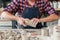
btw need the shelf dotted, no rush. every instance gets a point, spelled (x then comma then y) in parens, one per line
(57, 9)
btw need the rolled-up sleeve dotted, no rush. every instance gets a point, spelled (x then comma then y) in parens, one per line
(48, 8)
(12, 7)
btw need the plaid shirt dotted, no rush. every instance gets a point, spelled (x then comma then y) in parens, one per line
(19, 5)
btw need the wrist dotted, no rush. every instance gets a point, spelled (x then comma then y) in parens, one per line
(17, 18)
(41, 20)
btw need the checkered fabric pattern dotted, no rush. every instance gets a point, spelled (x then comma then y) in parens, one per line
(19, 6)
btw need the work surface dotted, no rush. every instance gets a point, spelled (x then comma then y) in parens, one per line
(31, 34)
(21, 34)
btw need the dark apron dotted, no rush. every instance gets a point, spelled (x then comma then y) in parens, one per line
(30, 13)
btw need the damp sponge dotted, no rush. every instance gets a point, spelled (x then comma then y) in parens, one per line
(29, 23)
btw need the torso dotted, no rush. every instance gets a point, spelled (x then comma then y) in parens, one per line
(27, 4)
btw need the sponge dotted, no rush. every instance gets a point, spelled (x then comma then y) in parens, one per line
(29, 23)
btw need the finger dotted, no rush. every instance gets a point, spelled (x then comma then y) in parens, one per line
(35, 22)
(32, 20)
(24, 24)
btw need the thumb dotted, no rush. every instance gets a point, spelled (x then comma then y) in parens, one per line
(24, 24)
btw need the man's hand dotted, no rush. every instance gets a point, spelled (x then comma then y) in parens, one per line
(21, 21)
(35, 20)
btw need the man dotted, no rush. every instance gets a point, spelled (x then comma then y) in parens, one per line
(31, 9)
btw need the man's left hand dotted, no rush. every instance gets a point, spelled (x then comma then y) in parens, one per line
(35, 20)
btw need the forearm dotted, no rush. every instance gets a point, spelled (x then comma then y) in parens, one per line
(9, 16)
(52, 17)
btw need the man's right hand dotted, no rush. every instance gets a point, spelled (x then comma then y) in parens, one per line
(21, 21)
